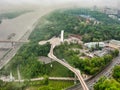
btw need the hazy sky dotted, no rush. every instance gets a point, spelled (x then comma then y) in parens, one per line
(83, 2)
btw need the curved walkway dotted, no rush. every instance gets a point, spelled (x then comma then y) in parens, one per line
(74, 70)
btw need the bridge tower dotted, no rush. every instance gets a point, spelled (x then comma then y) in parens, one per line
(75, 80)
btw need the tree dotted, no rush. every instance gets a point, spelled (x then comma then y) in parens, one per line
(1, 83)
(116, 73)
(116, 52)
(46, 80)
(107, 84)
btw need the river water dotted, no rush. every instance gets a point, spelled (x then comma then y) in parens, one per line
(19, 26)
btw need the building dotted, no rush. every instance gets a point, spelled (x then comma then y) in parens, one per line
(101, 53)
(118, 12)
(93, 44)
(95, 8)
(114, 44)
(113, 16)
(110, 11)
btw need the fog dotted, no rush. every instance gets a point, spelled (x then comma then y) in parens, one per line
(109, 3)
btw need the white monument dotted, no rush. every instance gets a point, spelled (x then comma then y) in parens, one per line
(62, 35)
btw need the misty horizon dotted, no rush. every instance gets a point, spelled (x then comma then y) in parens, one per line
(101, 3)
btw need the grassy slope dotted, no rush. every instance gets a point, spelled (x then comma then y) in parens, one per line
(36, 85)
(59, 70)
(53, 85)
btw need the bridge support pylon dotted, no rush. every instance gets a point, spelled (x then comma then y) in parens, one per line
(75, 80)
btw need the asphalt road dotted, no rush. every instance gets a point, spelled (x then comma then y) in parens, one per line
(105, 72)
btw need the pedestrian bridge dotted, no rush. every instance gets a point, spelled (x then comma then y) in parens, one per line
(7, 44)
(13, 41)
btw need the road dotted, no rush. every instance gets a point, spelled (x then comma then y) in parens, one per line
(105, 72)
(74, 70)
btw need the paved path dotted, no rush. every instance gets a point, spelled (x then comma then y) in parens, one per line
(41, 78)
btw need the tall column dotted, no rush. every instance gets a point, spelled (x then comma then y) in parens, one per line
(62, 35)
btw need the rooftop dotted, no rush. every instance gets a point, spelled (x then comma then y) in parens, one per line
(116, 42)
